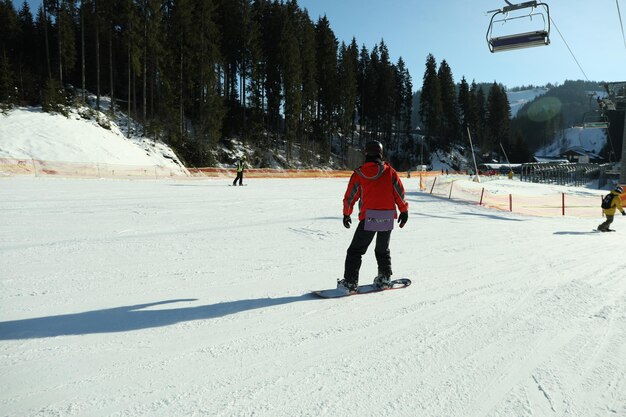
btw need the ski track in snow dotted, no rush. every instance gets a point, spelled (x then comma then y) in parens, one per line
(163, 298)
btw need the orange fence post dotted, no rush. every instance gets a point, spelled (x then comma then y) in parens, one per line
(433, 186)
(482, 192)
(451, 185)
(563, 203)
(510, 202)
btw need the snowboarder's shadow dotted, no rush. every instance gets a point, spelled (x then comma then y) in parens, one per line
(129, 318)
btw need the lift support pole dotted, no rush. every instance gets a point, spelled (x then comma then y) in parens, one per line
(622, 175)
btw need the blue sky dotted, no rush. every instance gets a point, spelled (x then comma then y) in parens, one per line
(455, 30)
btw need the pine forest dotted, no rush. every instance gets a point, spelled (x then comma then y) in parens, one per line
(195, 72)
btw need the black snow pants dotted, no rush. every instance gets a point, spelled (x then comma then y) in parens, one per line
(605, 226)
(360, 242)
(238, 178)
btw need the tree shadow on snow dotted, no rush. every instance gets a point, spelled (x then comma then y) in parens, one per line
(129, 318)
(492, 216)
(591, 232)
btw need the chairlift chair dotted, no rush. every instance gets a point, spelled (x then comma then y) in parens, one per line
(595, 120)
(538, 37)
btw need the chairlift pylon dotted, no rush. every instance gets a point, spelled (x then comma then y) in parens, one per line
(539, 37)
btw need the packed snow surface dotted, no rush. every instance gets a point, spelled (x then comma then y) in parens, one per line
(163, 298)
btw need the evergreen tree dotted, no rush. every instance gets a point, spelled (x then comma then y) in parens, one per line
(155, 57)
(405, 88)
(326, 79)
(450, 117)
(181, 51)
(7, 97)
(348, 61)
(372, 101)
(431, 107)
(292, 76)
(362, 86)
(9, 27)
(131, 39)
(207, 108)
(479, 113)
(42, 26)
(26, 63)
(387, 94)
(518, 151)
(9, 37)
(66, 14)
(306, 30)
(251, 69)
(272, 21)
(498, 119)
(465, 106)
(230, 22)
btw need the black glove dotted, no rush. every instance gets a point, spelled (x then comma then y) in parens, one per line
(623, 213)
(402, 218)
(346, 221)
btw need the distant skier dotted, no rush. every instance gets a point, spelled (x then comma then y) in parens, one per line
(610, 204)
(380, 190)
(241, 166)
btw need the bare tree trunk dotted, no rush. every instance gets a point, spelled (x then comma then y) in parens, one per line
(97, 55)
(111, 69)
(45, 36)
(243, 95)
(82, 46)
(128, 107)
(59, 21)
(134, 78)
(182, 109)
(622, 175)
(145, 67)
(152, 89)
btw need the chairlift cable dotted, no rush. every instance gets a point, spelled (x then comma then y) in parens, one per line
(570, 49)
(620, 22)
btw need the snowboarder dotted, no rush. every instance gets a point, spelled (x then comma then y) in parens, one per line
(610, 204)
(380, 190)
(241, 166)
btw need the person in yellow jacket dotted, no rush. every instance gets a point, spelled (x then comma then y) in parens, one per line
(610, 204)
(241, 166)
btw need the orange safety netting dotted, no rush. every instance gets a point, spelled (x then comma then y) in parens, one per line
(36, 167)
(558, 204)
(269, 173)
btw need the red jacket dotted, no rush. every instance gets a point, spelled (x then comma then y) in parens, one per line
(378, 186)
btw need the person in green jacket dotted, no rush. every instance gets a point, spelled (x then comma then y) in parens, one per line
(610, 204)
(241, 166)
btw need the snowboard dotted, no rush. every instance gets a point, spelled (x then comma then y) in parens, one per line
(396, 284)
(600, 231)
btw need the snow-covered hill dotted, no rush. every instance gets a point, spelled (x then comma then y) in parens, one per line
(517, 99)
(29, 133)
(592, 140)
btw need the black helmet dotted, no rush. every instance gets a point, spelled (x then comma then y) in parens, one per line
(619, 189)
(374, 148)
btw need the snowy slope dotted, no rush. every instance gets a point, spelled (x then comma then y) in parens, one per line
(166, 298)
(592, 140)
(517, 99)
(29, 133)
